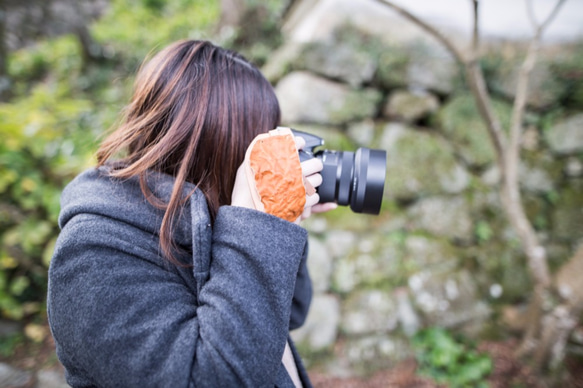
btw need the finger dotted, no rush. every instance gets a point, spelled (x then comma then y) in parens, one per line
(324, 207)
(311, 166)
(311, 200)
(310, 189)
(300, 142)
(315, 179)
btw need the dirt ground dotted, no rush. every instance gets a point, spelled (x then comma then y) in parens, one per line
(508, 372)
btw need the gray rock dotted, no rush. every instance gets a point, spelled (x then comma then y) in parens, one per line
(410, 106)
(368, 312)
(374, 352)
(306, 98)
(14, 378)
(321, 326)
(422, 252)
(566, 137)
(362, 132)
(448, 299)
(408, 318)
(432, 68)
(535, 179)
(347, 274)
(313, 21)
(443, 216)
(464, 127)
(381, 261)
(340, 242)
(319, 265)
(280, 62)
(393, 67)
(316, 224)
(567, 216)
(544, 89)
(345, 277)
(420, 163)
(509, 274)
(574, 167)
(491, 176)
(342, 60)
(455, 180)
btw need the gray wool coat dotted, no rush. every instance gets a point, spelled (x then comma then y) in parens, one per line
(122, 316)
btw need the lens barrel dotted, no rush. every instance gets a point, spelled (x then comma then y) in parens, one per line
(368, 180)
(355, 179)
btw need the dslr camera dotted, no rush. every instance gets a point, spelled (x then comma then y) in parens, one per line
(348, 178)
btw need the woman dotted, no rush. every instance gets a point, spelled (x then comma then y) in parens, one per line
(165, 274)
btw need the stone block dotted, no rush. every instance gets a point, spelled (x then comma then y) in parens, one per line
(307, 98)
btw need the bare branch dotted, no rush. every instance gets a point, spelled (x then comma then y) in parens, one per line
(539, 28)
(474, 76)
(522, 88)
(528, 236)
(531, 15)
(520, 105)
(551, 16)
(459, 56)
(477, 83)
(476, 35)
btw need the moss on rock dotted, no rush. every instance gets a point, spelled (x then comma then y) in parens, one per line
(420, 164)
(461, 122)
(567, 217)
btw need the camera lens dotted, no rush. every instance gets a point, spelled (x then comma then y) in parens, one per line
(355, 179)
(368, 180)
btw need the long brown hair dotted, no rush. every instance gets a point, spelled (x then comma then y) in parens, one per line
(195, 109)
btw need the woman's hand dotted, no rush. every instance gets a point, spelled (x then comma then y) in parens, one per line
(311, 171)
(311, 168)
(241, 195)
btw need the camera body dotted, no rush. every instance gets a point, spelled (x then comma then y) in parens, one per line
(348, 178)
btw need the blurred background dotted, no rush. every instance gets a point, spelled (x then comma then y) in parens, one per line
(434, 290)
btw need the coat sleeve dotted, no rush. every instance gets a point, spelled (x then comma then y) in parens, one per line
(302, 295)
(121, 320)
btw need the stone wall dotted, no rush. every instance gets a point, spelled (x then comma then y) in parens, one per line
(441, 252)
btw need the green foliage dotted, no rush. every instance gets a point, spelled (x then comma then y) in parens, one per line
(462, 123)
(259, 31)
(60, 57)
(9, 343)
(133, 28)
(46, 138)
(483, 231)
(569, 72)
(450, 361)
(59, 110)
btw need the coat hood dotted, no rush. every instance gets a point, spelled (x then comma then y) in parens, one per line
(96, 192)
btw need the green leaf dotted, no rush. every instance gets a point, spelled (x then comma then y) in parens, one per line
(18, 285)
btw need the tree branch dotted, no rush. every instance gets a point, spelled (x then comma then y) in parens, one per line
(474, 76)
(550, 17)
(482, 98)
(477, 83)
(531, 16)
(528, 235)
(475, 35)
